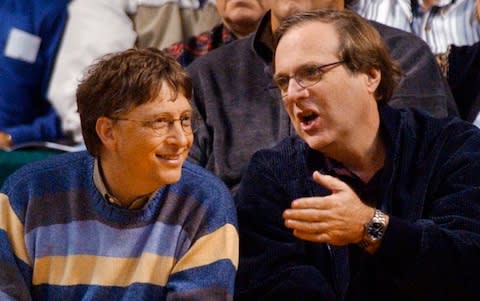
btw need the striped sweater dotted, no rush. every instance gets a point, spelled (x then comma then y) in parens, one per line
(61, 240)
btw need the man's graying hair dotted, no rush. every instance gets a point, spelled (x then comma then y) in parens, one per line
(361, 47)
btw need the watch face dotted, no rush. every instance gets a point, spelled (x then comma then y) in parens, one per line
(375, 230)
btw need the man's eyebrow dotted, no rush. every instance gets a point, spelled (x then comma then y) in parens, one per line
(304, 65)
(168, 114)
(279, 74)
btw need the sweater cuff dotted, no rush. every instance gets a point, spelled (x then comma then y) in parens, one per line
(20, 135)
(402, 241)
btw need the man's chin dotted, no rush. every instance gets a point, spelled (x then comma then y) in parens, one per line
(170, 177)
(315, 142)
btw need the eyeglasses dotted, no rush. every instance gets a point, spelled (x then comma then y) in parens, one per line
(162, 125)
(306, 76)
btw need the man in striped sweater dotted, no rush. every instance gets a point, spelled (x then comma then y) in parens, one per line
(130, 219)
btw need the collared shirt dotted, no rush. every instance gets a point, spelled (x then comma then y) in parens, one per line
(99, 181)
(451, 22)
(187, 51)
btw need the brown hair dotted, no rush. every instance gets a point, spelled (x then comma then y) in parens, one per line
(119, 82)
(361, 47)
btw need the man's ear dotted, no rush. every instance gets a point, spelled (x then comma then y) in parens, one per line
(373, 79)
(106, 133)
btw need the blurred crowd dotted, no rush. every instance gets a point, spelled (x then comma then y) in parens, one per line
(47, 45)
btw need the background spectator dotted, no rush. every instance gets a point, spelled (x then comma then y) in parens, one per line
(159, 23)
(98, 27)
(439, 22)
(30, 33)
(462, 70)
(239, 18)
(241, 109)
(463, 75)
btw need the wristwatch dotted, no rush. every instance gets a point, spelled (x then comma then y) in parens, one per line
(374, 229)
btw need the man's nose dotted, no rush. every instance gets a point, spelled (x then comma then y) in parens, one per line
(177, 134)
(295, 90)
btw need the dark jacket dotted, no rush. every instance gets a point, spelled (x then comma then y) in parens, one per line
(242, 111)
(430, 187)
(464, 78)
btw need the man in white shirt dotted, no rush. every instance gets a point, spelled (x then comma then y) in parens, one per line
(439, 22)
(98, 27)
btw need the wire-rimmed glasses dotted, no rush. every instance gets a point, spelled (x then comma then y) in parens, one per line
(305, 76)
(162, 125)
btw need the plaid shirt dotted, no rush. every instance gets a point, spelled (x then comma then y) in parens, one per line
(187, 51)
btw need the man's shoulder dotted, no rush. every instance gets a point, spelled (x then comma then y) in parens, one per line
(46, 12)
(204, 187)
(445, 134)
(285, 152)
(35, 7)
(199, 179)
(193, 171)
(50, 170)
(393, 36)
(231, 53)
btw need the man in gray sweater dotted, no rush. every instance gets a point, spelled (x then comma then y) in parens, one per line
(241, 109)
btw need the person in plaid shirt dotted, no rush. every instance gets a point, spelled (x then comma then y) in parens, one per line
(240, 18)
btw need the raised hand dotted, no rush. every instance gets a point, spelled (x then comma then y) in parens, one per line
(337, 219)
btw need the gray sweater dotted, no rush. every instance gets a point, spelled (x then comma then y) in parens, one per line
(242, 111)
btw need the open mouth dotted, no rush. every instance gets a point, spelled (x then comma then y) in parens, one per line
(307, 118)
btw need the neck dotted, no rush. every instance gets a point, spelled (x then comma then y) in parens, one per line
(241, 32)
(365, 160)
(118, 185)
(362, 152)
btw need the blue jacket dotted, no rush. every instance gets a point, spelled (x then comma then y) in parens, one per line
(430, 187)
(25, 112)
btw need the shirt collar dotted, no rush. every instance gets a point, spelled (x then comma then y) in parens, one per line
(440, 3)
(227, 35)
(263, 39)
(99, 182)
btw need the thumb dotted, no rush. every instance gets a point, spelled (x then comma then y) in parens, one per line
(329, 182)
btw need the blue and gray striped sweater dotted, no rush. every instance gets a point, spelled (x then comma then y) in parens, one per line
(61, 240)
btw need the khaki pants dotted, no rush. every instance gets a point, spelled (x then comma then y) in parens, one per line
(161, 26)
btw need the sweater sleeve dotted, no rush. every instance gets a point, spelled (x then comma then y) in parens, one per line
(43, 128)
(14, 261)
(439, 254)
(273, 263)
